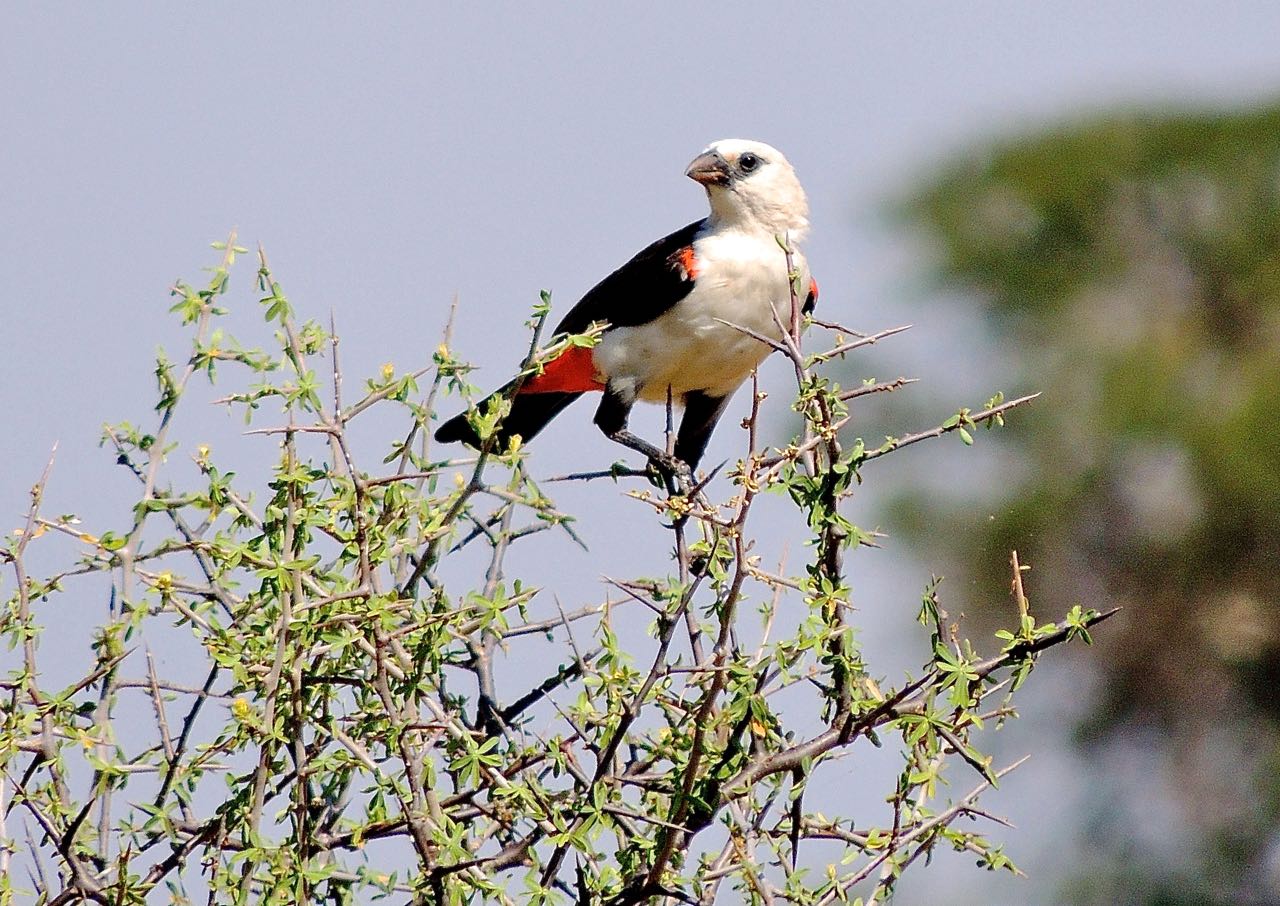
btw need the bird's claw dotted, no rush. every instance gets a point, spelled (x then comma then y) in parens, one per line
(672, 474)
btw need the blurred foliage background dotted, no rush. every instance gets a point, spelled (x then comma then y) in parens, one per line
(1129, 266)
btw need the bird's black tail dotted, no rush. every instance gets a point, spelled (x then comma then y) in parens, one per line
(529, 414)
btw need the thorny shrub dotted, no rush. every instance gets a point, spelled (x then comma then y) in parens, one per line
(349, 738)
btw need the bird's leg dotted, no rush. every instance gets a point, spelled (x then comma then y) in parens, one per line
(611, 419)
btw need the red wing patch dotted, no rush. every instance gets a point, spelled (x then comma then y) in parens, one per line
(574, 371)
(811, 300)
(688, 262)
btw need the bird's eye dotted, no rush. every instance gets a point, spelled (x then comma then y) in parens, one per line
(748, 162)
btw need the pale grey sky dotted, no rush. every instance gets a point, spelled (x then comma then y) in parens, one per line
(392, 156)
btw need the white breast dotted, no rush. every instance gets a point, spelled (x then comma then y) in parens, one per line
(742, 279)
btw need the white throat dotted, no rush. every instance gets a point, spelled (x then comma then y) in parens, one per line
(777, 216)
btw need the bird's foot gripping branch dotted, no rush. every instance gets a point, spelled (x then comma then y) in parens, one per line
(300, 687)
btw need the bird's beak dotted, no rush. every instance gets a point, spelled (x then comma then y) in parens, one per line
(710, 169)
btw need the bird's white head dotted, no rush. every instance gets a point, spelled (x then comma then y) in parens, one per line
(752, 186)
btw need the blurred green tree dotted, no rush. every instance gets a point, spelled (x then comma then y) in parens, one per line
(1130, 264)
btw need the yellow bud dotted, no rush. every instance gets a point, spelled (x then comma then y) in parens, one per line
(872, 688)
(388, 371)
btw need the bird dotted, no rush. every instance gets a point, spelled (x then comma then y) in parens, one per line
(671, 315)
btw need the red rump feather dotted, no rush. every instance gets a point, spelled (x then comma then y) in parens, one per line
(573, 371)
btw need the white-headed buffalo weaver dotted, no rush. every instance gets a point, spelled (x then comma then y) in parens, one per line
(666, 309)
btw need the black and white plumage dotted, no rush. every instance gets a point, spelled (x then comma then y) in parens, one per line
(665, 310)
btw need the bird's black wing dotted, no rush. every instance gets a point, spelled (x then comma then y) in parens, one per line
(643, 288)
